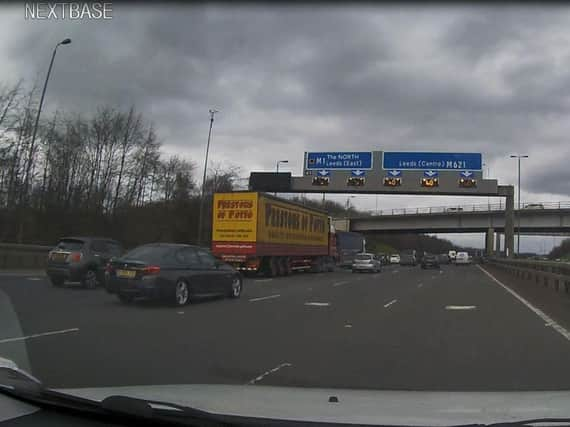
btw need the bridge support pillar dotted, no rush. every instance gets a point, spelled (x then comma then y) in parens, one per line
(489, 235)
(510, 222)
(498, 244)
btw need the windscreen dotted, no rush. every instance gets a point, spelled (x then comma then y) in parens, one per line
(151, 254)
(363, 257)
(70, 244)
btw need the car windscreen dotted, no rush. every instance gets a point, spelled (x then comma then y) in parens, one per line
(151, 254)
(70, 244)
(363, 257)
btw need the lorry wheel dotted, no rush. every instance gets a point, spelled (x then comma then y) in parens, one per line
(271, 267)
(287, 266)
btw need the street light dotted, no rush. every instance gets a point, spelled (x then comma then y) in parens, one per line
(519, 157)
(201, 213)
(348, 203)
(279, 162)
(63, 42)
(277, 169)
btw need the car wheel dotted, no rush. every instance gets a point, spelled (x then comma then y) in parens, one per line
(181, 293)
(89, 280)
(56, 281)
(125, 299)
(236, 287)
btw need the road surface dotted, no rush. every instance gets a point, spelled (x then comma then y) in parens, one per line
(404, 328)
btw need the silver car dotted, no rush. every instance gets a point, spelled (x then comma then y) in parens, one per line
(366, 262)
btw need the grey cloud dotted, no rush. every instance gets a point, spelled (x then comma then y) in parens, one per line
(294, 79)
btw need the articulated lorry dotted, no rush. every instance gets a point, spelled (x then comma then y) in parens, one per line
(259, 233)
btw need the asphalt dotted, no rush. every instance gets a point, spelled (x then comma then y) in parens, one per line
(402, 329)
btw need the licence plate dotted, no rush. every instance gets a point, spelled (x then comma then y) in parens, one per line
(126, 274)
(59, 257)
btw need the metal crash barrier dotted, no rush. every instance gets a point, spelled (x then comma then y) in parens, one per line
(16, 256)
(553, 275)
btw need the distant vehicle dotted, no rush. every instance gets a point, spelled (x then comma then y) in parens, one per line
(454, 209)
(394, 259)
(430, 261)
(174, 272)
(452, 255)
(366, 262)
(348, 244)
(81, 259)
(382, 257)
(462, 258)
(534, 206)
(408, 258)
(443, 259)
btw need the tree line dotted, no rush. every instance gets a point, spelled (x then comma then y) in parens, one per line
(102, 174)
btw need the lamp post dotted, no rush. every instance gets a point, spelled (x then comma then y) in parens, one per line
(63, 42)
(277, 168)
(201, 213)
(519, 157)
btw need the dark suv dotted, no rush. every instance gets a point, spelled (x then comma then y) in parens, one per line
(81, 259)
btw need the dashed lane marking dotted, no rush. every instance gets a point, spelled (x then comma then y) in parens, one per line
(460, 307)
(262, 280)
(394, 301)
(264, 298)
(43, 334)
(271, 371)
(420, 285)
(318, 304)
(339, 283)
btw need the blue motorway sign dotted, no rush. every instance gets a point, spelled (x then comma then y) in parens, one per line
(395, 173)
(323, 173)
(340, 160)
(431, 161)
(430, 174)
(358, 172)
(466, 174)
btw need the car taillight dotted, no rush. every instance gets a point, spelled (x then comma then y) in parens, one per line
(75, 256)
(151, 269)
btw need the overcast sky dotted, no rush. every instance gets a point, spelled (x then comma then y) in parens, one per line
(287, 80)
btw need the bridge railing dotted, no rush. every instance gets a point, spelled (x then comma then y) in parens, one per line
(548, 274)
(483, 207)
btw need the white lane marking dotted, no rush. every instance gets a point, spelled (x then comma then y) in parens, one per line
(180, 312)
(43, 334)
(440, 271)
(547, 319)
(348, 325)
(339, 283)
(34, 278)
(260, 377)
(318, 304)
(420, 285)
(460, 307)
(395, 271)
(394, 301)
(264, 298)
(262, 280)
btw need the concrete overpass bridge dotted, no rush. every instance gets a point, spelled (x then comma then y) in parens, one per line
(537, 218)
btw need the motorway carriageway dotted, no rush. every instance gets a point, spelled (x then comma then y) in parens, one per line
(405, 328)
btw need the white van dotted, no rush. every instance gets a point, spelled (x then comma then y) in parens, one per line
(462, 258)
